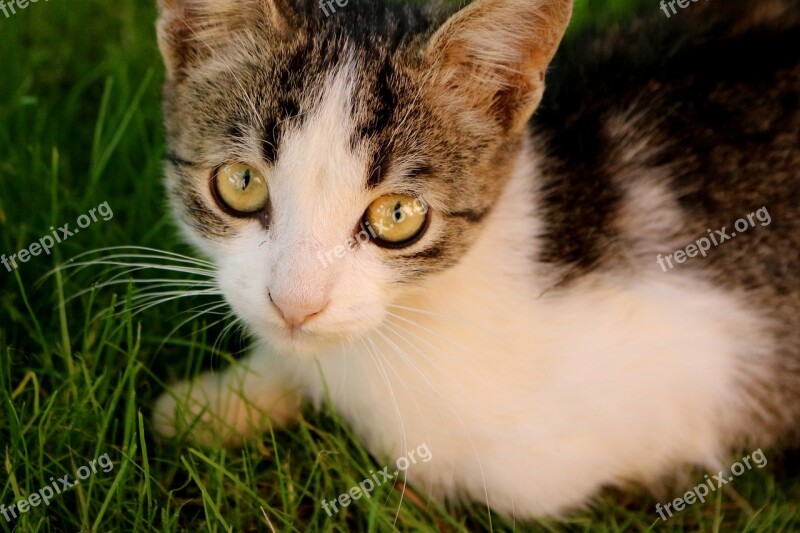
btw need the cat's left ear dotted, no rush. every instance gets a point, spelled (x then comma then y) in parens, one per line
(492, 56)
(193, 31)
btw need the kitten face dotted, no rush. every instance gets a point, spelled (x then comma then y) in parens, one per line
(331, 121)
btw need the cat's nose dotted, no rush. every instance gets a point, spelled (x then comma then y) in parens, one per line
(296, 313)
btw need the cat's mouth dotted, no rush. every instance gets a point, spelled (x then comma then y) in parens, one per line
(298, 341)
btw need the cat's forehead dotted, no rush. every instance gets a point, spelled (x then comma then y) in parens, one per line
(315, 155)
(367, 102)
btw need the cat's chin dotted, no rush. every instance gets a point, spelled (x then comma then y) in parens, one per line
(301, 344)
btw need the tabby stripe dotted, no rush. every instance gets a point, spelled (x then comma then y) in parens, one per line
(179, 162)
(471, 216)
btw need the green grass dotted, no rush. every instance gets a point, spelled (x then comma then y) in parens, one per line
(80, 125)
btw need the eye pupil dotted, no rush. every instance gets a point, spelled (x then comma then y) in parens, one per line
(241, 189)
(393, 222)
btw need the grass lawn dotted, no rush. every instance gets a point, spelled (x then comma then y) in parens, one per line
(80, 126)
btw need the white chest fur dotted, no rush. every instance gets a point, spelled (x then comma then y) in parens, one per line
(534, 401)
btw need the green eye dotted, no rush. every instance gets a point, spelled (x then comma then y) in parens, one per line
(241, 188)
(396, 220)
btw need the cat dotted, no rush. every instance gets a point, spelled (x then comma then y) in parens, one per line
(519, 324)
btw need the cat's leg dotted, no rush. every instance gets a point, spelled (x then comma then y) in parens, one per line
(228, 407)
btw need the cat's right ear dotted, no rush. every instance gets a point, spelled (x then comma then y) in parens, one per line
(491, 56)
(192, 31)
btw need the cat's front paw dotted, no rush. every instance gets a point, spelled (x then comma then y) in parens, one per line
(209, 413)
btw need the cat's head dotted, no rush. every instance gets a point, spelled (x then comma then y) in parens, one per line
(327, 163)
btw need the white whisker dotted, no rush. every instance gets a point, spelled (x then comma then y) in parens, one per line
(396, 405)
(448, 403)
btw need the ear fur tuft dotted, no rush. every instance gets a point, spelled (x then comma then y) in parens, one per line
(190, 31)
(494, 54)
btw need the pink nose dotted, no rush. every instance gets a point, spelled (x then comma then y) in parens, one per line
(297, 313)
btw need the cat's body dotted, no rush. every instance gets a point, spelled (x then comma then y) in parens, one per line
(530, 338)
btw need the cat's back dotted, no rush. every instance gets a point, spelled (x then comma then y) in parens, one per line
(695, 117)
